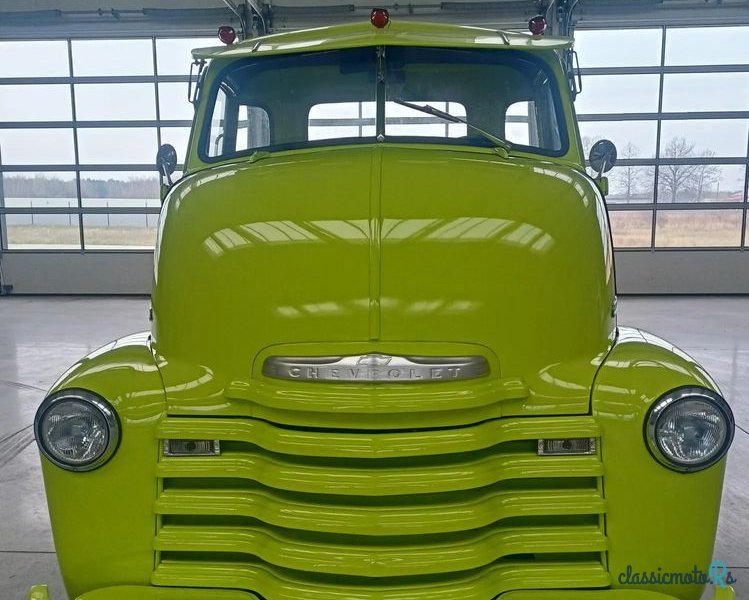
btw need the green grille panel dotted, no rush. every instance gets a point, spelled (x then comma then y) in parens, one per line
(276, 584)
(461, 513)
(314, 514)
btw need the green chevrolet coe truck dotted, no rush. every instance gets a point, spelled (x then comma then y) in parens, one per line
(384, 361)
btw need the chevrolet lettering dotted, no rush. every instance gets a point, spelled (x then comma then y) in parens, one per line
(384, 361)
(376, 368)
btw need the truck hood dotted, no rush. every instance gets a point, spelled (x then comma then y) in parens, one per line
(399, 250)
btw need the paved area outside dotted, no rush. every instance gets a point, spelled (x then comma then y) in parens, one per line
(41, 337)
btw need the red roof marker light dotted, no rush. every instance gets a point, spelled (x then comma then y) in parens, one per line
(537, 25)
(379, 17)
(227, 35)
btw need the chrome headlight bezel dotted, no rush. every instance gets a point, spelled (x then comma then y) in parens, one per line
(109, 417)
(669, 399)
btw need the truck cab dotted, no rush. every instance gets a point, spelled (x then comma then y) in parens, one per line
(384, 360)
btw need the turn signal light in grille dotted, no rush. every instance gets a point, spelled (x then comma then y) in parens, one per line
(566, 446)
(192, 448)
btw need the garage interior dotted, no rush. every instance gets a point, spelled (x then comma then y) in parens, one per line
(666, 80)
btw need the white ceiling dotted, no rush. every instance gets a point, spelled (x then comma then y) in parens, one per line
(28, 18)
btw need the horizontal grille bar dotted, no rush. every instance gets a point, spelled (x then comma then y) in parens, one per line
(386, 398)
(373, 444)
(377, 481)
(376, 399)
(402, 558)
(279, 584)
(366, 407)
(377, 518)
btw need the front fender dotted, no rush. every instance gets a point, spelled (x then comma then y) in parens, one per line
(40, 592)
(102, 520)
(658, 521)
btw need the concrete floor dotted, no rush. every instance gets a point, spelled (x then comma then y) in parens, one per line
(41, 337)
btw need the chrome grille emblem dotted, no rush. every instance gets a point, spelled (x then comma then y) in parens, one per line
(374, 360)
(376, 368)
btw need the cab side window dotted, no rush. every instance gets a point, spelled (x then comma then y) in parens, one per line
(518, 124)
(236, 127)
(218, 125)
(253, 128)
(532, 121)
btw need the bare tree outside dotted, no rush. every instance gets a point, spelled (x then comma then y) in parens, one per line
(686, 183)
(673, 180)
(630, 180)
(704, 176)
(696, 182)
(588, 141)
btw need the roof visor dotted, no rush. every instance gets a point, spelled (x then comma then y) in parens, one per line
(395, 34)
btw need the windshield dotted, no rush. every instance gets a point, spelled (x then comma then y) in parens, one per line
(362, 95)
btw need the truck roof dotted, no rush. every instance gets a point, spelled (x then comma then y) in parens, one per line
(397, 33)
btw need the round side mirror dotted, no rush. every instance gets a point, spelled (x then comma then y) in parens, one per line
(166, 160)
(602, 156)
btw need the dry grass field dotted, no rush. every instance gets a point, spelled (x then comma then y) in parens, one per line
(56, 236)
(632, 229)
(677, 229)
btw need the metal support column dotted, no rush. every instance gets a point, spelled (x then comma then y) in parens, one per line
(5, 289)
(3, 227)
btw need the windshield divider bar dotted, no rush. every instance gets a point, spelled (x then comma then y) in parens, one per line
(380, 94)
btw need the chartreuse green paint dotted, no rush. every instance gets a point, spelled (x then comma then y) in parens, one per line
(370, 336)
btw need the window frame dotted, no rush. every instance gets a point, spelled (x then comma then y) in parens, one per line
(658, 161)
(77, 169)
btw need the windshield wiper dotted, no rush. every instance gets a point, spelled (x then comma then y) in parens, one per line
(501, 146)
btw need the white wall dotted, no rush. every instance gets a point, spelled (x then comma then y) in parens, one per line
(78, 273)
(683, 272)
(638, 272)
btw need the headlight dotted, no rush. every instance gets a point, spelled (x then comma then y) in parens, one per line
(689, 429)
(76, 430)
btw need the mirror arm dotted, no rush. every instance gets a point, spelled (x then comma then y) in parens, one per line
(165, 182)
(166, 162)
(603, 169)
(602, 183)
(165, 175)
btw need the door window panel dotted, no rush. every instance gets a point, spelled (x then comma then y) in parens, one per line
(701, 183)
(47, 58)
(708, 137)
(633, 139)
(120, 189)
(36, 102)
(113, 145)
(690, 92)
(707, 45)
(30, 231)
(112, 57)
(631, 184)
(118, 231)
(698, 228)
(618, 94)
(115, 101)
(37, 146)
(618, 48)
(173, 102)
(631, 228)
